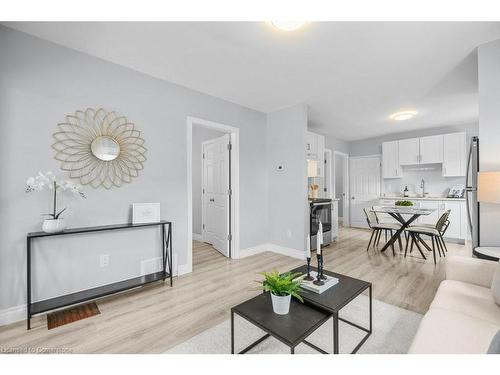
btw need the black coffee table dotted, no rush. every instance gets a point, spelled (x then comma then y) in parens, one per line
(291, 329)
(337, 297)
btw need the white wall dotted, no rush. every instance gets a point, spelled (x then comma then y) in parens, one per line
(200, 134)
(288, 209)
(489, 134)
(339, 182)
(40, 83)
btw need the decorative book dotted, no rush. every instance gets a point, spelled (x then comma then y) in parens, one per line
(309, 285)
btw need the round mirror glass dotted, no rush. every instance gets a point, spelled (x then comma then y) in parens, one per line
(105, 148)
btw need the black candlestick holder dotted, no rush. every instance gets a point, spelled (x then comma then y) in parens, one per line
(309, 277)
(318, 280)
(321, 275)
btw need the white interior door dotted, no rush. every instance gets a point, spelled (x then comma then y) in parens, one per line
(364, 187)
(215, 200)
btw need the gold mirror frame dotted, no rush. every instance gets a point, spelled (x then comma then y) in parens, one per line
(73, 148)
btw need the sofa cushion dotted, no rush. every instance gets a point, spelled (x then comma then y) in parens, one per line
(468, 299)
(448, 332)
(495, 344)
(495, 285)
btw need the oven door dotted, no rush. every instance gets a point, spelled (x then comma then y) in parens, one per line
(321, 211)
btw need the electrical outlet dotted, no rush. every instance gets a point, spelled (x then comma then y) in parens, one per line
(104, 260)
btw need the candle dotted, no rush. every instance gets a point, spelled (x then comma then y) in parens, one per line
(308, 246)
(320, 230)
(318, 242)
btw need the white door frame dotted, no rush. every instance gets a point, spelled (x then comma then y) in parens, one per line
(328, 183)
(235, 186)
(380, 178)
(346, 216)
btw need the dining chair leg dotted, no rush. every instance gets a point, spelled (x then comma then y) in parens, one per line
(442, 241)
(379, 235)
(438, 246)
(371, 237)
(377, 232)
(433, 249)
(412, 242)
(400, 243)
(385, 232)
(407, 242)
(443, 246)
(424, 243)
(418, 246)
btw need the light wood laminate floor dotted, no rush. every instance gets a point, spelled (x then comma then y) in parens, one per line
(158, 317)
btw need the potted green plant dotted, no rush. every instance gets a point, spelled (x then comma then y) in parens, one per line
(404, 203)
(282, 287)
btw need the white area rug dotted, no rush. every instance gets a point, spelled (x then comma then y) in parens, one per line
(393, 332)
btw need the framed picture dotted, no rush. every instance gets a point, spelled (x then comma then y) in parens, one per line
(145, 213)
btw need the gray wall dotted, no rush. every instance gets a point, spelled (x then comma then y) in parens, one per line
(372, 146)
(200, 134)
(42, 82)
(489, 133)
(336, 144)
(286, 137)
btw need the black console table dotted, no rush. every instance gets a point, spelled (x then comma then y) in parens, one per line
(39, 307)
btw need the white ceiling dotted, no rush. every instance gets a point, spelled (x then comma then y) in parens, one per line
(352, 75)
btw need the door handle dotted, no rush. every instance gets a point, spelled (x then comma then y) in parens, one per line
(353, 198)
(212, 200)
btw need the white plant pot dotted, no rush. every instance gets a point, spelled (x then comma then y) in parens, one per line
(281, 304)
(54, 225)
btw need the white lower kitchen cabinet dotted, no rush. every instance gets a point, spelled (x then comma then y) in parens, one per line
(457, 229)
(432, 218)
(335, 220)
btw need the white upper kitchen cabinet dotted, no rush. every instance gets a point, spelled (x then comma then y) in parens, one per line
(431, 149)
(409, 151)
(454, 154)
(390, 160)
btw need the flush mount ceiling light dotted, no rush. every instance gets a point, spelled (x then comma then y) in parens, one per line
(287, 25)
(402, 116)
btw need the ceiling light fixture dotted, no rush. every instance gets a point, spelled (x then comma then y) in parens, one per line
(287, 25)
(402, 116)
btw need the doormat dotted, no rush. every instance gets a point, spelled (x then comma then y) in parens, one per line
(73, 314)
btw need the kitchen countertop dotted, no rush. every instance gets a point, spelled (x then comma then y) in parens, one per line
(424, 198)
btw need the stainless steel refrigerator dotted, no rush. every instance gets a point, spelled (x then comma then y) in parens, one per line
(471, 191)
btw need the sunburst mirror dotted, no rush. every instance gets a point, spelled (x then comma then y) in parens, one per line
(99, 148)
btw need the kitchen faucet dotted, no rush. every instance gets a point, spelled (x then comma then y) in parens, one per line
(422, 185)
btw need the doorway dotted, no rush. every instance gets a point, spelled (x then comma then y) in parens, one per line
(340, 186)
(213, 188)
(364, 187)
(215, 192)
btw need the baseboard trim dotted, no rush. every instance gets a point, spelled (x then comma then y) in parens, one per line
(12, 315)
(197, 237)
(294, 253)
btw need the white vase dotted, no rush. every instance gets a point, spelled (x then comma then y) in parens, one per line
(54, 225)
(281, 304)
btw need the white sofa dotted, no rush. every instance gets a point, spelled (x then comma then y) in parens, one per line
(463, 317)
